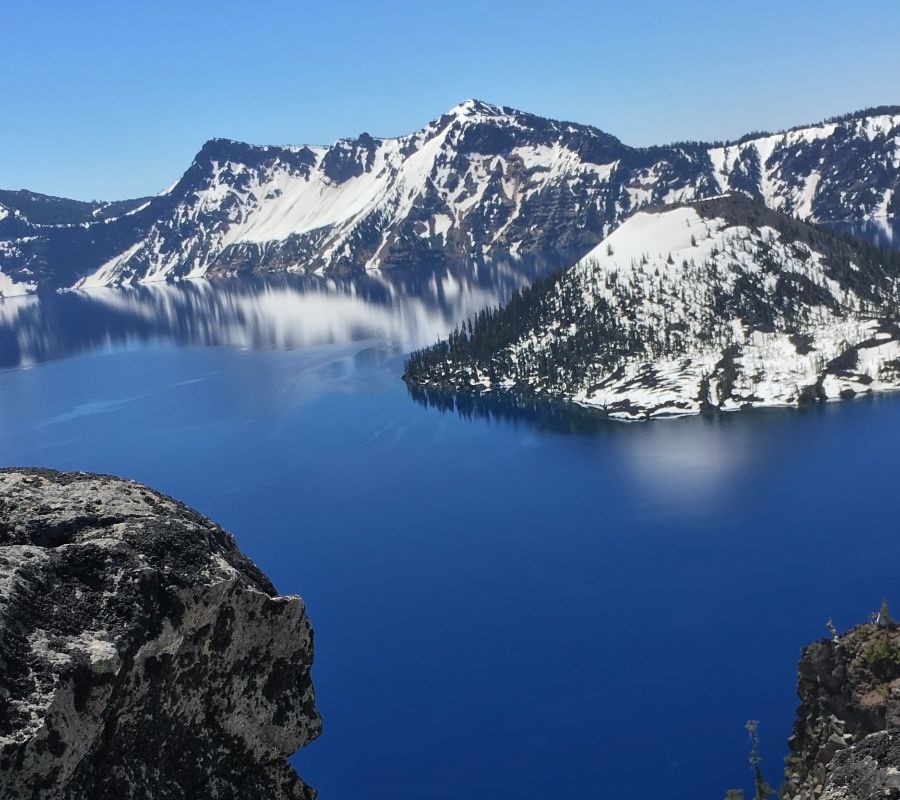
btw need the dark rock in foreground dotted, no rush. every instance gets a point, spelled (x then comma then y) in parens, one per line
(141, 654)
(866, 770)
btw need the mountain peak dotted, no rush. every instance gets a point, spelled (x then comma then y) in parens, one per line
(473, 107)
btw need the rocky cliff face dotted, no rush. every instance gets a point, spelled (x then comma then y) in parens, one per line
(141, 654)
(849, 690)
(480, 181)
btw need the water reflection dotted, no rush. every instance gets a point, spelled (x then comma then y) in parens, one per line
(538, 415)
(693, 463)
(882, 232)
(686, 466)
(403, 309)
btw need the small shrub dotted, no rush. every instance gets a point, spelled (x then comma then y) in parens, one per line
(882, 658)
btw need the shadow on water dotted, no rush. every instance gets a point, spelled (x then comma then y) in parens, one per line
(557, 417)
(685, 468)
(546, 416)
(402, 307)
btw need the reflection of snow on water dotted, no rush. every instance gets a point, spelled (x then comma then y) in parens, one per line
(880, 231)
(87, 409)
(403, 309)
(687, 462)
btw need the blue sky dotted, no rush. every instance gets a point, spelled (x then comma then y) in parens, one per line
(112, 99)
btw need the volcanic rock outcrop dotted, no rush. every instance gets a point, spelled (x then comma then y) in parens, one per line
(141, 653)
(846, 739)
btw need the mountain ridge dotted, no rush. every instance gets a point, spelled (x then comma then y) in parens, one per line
(479, 181)
(880, 110)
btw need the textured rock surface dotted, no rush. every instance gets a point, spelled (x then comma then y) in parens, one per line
(849, 688)
(866, 770)
(141, 654)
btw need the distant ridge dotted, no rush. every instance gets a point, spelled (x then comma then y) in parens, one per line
(480, 181)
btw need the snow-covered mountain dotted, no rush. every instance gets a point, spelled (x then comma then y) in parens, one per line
(480, 181)
(719, 303)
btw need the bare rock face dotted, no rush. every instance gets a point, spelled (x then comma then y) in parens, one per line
(866, 770)
(849, 689)
(141, 653)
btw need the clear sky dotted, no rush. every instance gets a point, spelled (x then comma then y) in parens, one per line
(112, 99)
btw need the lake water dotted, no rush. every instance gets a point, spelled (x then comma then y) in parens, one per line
(505, 606)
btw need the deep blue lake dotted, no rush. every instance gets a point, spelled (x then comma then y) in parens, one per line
(503, 607)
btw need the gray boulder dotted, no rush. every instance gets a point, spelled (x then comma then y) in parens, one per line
(868, 770)
(141, 653)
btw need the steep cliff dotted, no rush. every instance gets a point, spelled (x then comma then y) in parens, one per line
(849, 690)
(141, 654)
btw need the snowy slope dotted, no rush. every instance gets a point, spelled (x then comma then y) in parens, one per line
(839, 170)
(14, 288)
(11, 221)
(716, 304)
(480, 181)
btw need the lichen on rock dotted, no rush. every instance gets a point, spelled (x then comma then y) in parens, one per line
(141, 653)
(866, 770)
